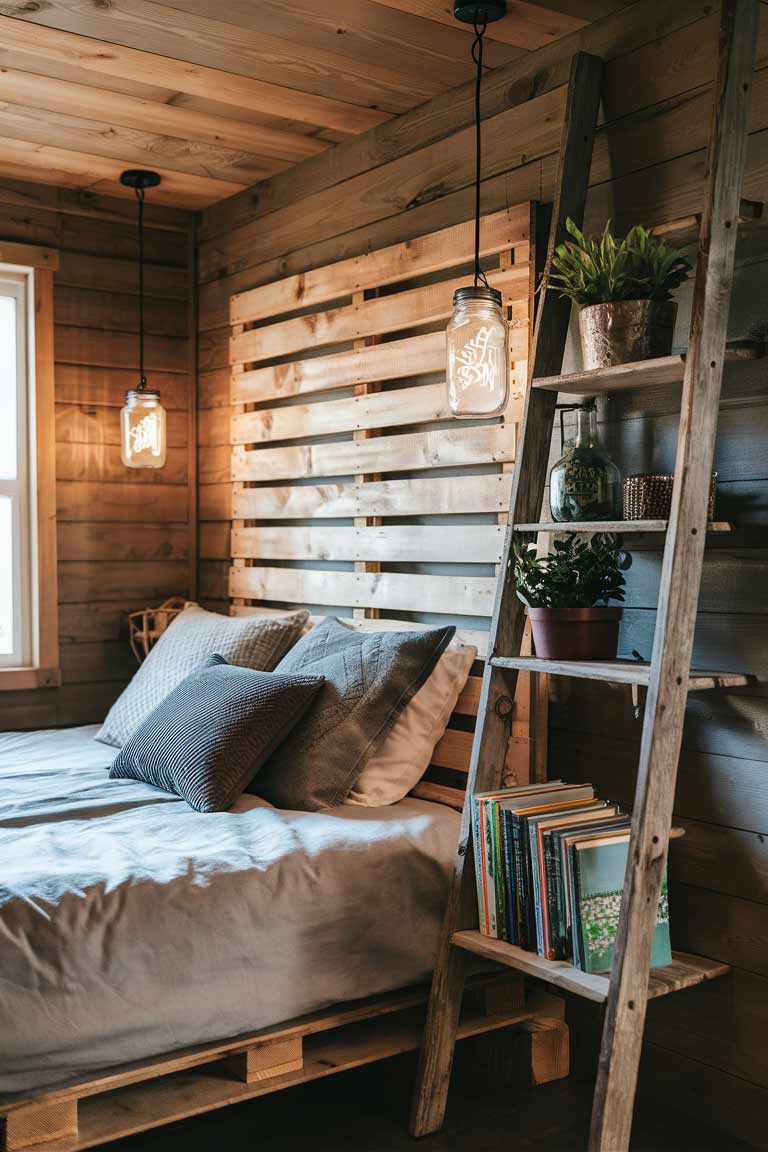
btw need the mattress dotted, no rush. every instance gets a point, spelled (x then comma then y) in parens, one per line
(131, 925)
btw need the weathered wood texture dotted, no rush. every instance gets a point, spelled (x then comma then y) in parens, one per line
(434, 559)
(413, 174)
(125, 537)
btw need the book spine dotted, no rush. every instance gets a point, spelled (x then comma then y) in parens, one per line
(479, 865)
(536, 887)
(510, 917)
(550, 896)
(519, 880)
(498, 871)
(557, 907)
(486, 824)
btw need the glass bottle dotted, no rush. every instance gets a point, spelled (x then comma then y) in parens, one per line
(585, 484)
(142, 422)
(478, 353)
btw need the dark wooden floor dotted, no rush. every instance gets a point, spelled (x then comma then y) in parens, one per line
(366, 1111)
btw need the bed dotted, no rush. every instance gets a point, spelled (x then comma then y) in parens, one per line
(132, 925)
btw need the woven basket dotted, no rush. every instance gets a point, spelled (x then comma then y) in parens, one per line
(146, 627)
(648, 496)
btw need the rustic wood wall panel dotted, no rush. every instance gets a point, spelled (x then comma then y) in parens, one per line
(378, 538)
(412, 176)
(125, 537)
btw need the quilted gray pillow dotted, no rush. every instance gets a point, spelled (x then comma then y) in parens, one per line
(250, 641)
(369, 679)
(210, 736)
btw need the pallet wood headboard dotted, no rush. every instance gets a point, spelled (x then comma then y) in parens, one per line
(355, 493)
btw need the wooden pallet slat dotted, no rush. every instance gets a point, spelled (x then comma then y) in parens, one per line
(393, 543)
(431, 253)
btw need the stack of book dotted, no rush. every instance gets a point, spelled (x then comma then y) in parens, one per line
(550, 862)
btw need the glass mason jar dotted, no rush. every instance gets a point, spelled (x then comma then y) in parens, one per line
(585, 484)
(142, 423)
(478, 353)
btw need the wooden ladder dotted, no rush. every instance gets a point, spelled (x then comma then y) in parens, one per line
(668, 678)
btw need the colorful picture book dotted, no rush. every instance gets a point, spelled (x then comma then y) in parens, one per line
(550, 862)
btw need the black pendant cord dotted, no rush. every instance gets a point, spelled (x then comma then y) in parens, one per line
(142, 376)
(477, 56)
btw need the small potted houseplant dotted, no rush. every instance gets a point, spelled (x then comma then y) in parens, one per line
(567, 594)
(624, 290)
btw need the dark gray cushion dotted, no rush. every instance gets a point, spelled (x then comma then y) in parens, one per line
(250, 641)
(369, 679)
(210, 736)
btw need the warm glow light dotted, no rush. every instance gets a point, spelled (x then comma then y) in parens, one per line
(478, 354)
(143, 430)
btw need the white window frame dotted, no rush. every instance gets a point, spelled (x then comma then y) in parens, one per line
(28, 272)
(18, 284)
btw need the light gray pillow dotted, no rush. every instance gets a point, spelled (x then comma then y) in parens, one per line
(256, 642)
(369, 679)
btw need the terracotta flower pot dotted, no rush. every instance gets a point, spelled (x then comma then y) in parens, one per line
(576, 633)
(626, 330)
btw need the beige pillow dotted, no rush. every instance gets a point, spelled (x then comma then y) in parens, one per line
(406, 752)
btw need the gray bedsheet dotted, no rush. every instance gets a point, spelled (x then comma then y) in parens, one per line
(131, 925)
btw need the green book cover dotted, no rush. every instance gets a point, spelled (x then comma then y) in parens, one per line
(600, 869)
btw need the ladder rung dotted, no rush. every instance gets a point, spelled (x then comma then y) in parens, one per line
(625, 526)
(620, 671)
(684, 971)
(638, 374)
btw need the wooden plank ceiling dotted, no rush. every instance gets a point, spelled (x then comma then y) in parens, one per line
(90, 87)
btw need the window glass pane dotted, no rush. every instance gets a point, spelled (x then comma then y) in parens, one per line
(8, 388)
(6, 576)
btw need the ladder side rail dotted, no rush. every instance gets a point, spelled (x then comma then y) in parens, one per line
(679, 588)
(493, 725)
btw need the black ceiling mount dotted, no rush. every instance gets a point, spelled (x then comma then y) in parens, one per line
(479, 11)
(139, 178)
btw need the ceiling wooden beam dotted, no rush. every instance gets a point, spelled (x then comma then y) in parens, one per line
(528, 26)
(33, 90)
(180, 75)
(65, 168)
(132, 147)
(152, 27)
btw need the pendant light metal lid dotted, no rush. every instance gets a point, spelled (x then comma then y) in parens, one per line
(477, 293)
(139, 178)
(479, 11)
(145, 393)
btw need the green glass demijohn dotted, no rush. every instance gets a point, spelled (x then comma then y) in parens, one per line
(585, 484)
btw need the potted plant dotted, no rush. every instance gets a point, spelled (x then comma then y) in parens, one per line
(567, 593)
(624, 290)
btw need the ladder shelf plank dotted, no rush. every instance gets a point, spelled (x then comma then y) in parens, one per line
(661, 370)
(684, 972)
(628, 527)
(620, 671)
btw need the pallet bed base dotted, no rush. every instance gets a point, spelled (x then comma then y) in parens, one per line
(148, 1094)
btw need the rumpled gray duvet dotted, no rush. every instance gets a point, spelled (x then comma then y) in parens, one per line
(131, 925)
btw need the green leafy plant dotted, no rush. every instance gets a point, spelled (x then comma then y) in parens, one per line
(577, 574)
(597, 270)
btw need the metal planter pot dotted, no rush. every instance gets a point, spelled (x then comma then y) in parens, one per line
(626, 330)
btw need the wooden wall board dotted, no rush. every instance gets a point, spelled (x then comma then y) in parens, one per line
(124, 536)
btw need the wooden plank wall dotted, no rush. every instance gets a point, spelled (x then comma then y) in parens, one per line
(126, 537)
(413, 175)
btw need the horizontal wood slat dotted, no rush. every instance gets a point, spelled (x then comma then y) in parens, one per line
(427, 497)
(431, 253)
(473, 637)
(395, 543)
(421, 405)
(439, 449)
(414, 356)
(390, 313)
(459, 595)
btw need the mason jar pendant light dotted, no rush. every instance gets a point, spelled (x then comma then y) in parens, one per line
(477, 372)
(142, 420)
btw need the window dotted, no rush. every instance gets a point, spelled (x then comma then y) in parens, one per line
(16, 536)
(28, 609)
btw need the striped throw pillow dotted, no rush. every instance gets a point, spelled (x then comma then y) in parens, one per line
(207, 740)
